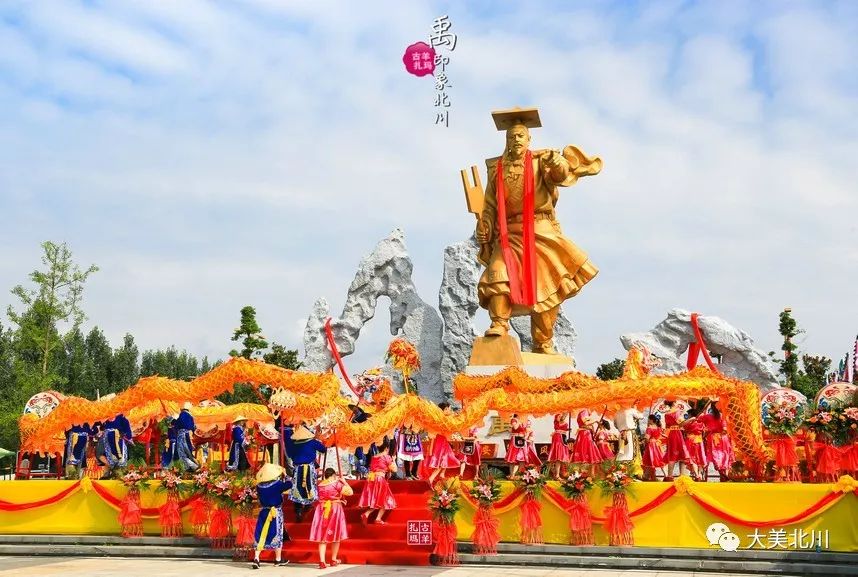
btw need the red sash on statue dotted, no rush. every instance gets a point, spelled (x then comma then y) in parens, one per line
(522, 280)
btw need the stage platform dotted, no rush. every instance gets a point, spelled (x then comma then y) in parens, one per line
(783, 516)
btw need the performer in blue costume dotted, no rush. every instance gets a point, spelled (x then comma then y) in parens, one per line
(185, 428)
(77, 441)
(270, 532)
(168, 455)
(114, 443)
(301, 448)
(237, 453)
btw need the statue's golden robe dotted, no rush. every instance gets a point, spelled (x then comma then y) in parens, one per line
(561, 267)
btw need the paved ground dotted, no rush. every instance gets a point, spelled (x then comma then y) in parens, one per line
(103, 567)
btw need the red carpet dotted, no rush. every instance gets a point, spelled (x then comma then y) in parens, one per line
(374, 544)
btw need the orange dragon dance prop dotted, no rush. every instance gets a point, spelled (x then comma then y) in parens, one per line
(311, 396)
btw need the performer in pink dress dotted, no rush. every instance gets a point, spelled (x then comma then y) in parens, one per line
(653, 453)
(376, 495)
(719, 448)
(329, 520)
(558, 454)
(469, 455)
(585, 451)
(442, 456)
(521, 448)
(603, 438)
(677, 450)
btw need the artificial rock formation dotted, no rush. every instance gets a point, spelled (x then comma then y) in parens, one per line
(386, 271)
(669, 341)
(458, 304)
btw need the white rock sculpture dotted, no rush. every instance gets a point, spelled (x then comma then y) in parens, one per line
(386, 271)
(669, 341)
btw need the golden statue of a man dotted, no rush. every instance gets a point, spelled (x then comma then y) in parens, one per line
(531, 268)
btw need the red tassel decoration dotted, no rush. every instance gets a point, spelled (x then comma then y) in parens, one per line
(580, 524)
(531, 521)
(200, 509)
(618, 523)
(169, 516)
(486, 534)
(131, 515)
(445, 552)
(220, 529)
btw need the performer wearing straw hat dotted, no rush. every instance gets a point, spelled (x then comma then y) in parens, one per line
(237, 452)
(270, 533)
(301, 448)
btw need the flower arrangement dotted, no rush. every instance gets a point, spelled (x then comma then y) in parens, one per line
(444, 503)
(823, 421)
(531, 481)
(403, 356)
(220, 490)
(244, 494)
(135, 479)
(171, 480)
(576, 483)
(617, 478)
(486, 492)
(783, 418)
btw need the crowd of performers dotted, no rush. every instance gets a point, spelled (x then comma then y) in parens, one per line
(692, 440)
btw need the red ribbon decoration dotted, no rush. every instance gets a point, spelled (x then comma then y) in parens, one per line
(244, 527)
(170, 517)
(329, 334)
(697, 347)
(144, 511)
(830, 498)
(7, 506)
(531, 520)
(486, 531)
(522, 282)
(200, 510)
(618, 522)
(445, 551)
(219, 523)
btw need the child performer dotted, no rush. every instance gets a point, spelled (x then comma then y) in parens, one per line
(677, 450)
(376, 495)
(410, 449)
(558, 454)
(586, 452)
(521, 448)
(653, 453)
(603, 437)
(442, 456)
(470, 453)
(329, 520)
(270, 533)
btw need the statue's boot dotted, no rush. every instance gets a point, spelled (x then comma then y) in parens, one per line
(542, 331)
(500, 310)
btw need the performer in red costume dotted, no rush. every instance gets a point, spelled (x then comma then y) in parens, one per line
(677, 450)
(653, 453)
(603, 441)
(558, 454)
(442, 456)
(329, 520)
(719, 448)
(469, 455)
(521, 449)
(694, 429)
(586, 452)
(376, 495)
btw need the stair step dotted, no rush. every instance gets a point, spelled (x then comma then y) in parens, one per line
(641, 561)
(102, 540)
(125, 550)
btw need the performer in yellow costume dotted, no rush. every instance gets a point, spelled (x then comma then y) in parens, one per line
(531, 268)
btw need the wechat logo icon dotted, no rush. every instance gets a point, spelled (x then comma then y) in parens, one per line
(719, 534)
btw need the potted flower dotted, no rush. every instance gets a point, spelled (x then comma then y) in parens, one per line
(444, 504)
(616, 482)
(575, 485)
(486, 492)
(531, 482)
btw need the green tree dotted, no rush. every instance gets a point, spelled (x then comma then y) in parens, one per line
(611, 371)
(169, 363)
(11, 403)
(73, 369)
(55, 299)
(282, 357)
(99, 361)
(125, 369)
(250, 335)
(814, 376)
(788, 328)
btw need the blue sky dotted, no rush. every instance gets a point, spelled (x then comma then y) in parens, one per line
(208, 155)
